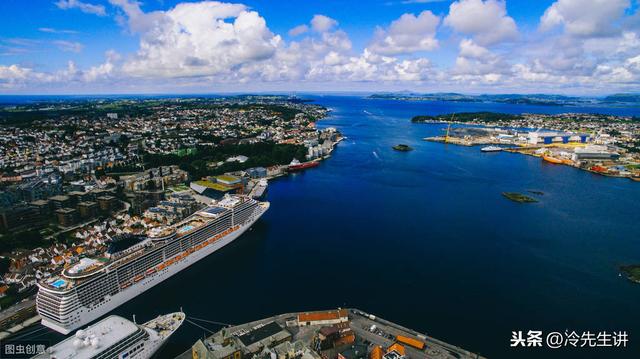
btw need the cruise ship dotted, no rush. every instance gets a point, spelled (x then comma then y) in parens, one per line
(93, 287)
(116, 337)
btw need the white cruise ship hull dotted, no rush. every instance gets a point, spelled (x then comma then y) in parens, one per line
(117, 337)
(84, 315)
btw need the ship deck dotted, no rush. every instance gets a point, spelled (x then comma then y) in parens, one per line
(190, 224)
(165, 325)
(90, 342)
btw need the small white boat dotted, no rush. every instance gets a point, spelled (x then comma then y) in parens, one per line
(491, 149)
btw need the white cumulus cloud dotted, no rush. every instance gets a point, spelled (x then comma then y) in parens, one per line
(299, 30)
(584, 17)
(197, 39)
(322, 23)
(408, 34)
(487, 21)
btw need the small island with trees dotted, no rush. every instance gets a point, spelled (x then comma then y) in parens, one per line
(519, 197)
(632, 272)
(402, 148)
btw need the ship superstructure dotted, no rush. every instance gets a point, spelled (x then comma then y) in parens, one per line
(94, 286)
(116, 337)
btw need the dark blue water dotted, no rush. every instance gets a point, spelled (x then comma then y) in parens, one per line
(425, 239)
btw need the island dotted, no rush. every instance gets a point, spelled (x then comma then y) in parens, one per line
(632, 272)
(519, 197)
(621, 99)
(403, 148)
(466, 117)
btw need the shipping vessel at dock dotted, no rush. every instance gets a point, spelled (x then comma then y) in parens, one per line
(296, 165)
(491, 149)
(94, 286)
(117, 337)
(551, 159)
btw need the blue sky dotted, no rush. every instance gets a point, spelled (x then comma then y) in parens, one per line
(125, 46)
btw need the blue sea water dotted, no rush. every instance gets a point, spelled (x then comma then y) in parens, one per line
(425, 239)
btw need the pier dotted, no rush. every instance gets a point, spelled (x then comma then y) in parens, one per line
(341, 333)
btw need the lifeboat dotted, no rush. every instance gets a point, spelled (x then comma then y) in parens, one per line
(150, 271)
(138, 278)
(125, 285)
(552, 159)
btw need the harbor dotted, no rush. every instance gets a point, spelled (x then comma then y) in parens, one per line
(327, 238)
(597, 154)
(339, 333)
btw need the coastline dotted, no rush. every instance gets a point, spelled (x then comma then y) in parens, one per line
(515, 148)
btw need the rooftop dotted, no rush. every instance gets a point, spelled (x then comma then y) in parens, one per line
(317, 316)
(214, 185)
(90, 342)
(261, 333)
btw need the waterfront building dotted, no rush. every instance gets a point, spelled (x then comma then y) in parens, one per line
(550, 137)
(274, 171)
(257, 172)
(242, 344)
(594, 152)
(329, 317)
(216, 187)
(228, 180)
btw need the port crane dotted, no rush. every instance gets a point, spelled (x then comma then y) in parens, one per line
(446, 137)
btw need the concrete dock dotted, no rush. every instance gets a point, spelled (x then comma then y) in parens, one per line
(366, 331)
